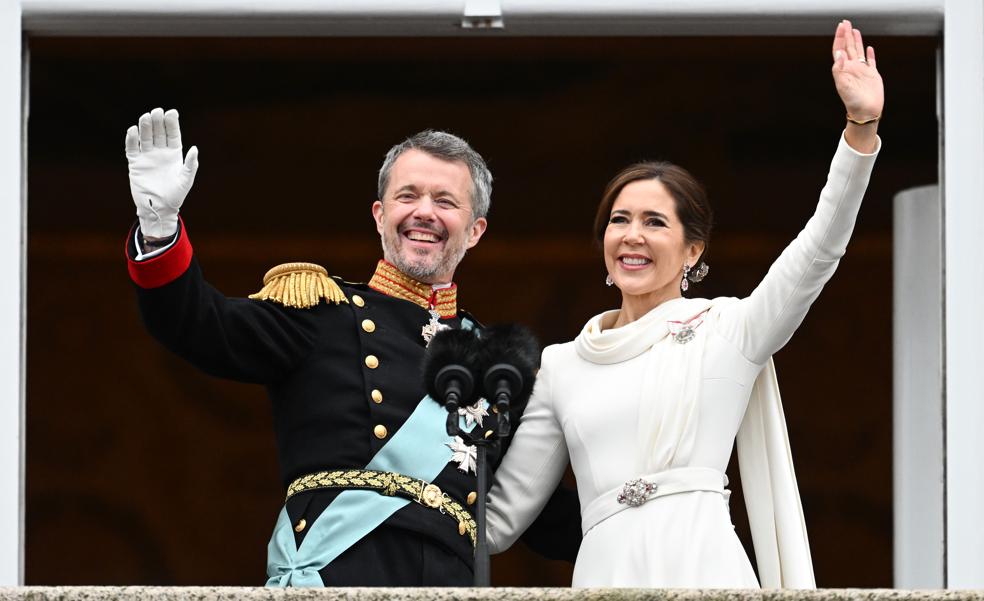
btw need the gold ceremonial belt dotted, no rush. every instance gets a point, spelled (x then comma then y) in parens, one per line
(390, 484)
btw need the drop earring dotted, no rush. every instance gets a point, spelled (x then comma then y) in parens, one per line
(608, 280)
(685, 283)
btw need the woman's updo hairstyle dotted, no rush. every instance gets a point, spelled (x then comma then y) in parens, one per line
(691, 204)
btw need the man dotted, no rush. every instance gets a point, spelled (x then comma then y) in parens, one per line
(377, 493)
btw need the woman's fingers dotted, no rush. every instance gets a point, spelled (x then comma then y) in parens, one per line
(839, 43)
(858, 44)
(849, 44)
(871, 57)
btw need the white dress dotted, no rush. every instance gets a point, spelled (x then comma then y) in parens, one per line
(664, 401)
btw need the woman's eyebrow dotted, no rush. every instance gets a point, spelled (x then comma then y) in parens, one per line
(644, 213)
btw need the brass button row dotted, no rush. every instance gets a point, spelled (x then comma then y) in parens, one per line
(380, 431)
(372, 362)
(301, 525)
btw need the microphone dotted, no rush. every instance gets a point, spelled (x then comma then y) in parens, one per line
(451, 360)
(510, 356)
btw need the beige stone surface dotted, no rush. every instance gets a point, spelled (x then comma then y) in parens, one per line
(138, 593)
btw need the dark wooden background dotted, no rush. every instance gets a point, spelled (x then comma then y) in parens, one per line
(141, 470)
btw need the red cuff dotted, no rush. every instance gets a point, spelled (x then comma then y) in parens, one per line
(165, 267)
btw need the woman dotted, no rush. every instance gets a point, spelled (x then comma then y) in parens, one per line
(648, 400)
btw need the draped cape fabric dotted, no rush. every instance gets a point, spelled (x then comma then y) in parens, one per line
(668, 422)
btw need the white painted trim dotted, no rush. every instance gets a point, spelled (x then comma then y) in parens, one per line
(11, 301)
(444, 17)
(917, 434)
(964, 157)
(963, 98)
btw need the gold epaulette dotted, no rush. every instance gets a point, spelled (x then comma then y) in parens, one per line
(299, 285)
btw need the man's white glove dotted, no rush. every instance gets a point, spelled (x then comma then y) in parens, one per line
(159, 179)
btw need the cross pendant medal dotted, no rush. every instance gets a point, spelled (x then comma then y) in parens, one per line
(432, 327)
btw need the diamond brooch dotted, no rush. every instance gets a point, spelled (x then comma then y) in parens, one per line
(685, 331)
(635, 492)
(684, 335)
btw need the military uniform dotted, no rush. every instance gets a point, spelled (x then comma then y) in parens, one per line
(343, 377)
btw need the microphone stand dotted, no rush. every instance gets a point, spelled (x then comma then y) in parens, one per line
(483, 568)
(502, 379)
(481, 444)
(457, 382)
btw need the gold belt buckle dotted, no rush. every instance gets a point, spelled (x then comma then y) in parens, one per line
(432, 496)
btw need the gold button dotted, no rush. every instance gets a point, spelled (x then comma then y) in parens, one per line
(472, 497)
(377, 396)
(368, 325)
(495, 409)
(301, 525)
(380, 431)
(488, 433)
(372, 362)
(357, 301)
(462, 528)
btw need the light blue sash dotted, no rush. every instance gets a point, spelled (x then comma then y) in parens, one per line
(418, 449)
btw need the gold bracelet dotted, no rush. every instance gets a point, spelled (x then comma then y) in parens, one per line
(865, 122)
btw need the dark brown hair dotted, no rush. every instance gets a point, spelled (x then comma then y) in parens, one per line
(691, 204)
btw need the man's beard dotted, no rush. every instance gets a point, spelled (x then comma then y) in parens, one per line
(426, 267)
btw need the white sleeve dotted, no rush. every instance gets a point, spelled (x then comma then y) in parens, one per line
(531, 469)
(764, 321)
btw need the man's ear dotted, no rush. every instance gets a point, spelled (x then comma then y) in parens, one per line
(476, 230)
(377, 214)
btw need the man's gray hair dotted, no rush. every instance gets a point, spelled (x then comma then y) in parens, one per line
(447, 147)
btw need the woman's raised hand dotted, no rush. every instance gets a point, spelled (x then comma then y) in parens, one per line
(858, 82)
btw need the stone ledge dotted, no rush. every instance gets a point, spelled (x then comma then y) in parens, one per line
(159, 593)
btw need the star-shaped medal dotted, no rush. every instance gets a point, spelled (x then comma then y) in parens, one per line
(465, 455)
(474, 413)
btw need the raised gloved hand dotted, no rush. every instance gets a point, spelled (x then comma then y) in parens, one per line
(159, 179)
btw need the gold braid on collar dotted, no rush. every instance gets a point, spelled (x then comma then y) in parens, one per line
(391, 281)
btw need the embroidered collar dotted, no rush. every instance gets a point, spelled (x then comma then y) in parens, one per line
(391, 281)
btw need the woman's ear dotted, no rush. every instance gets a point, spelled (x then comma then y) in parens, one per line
(694, 252)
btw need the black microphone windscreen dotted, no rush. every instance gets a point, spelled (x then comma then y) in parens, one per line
(515, 345)
(450, 347)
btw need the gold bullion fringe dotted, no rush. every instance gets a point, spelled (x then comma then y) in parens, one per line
(299, 285)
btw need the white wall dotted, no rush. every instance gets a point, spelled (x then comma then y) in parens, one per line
(963, 93)
(11, 294)
(917, 379)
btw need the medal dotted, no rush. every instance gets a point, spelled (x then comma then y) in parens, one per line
(466, 456)
(432, 327)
